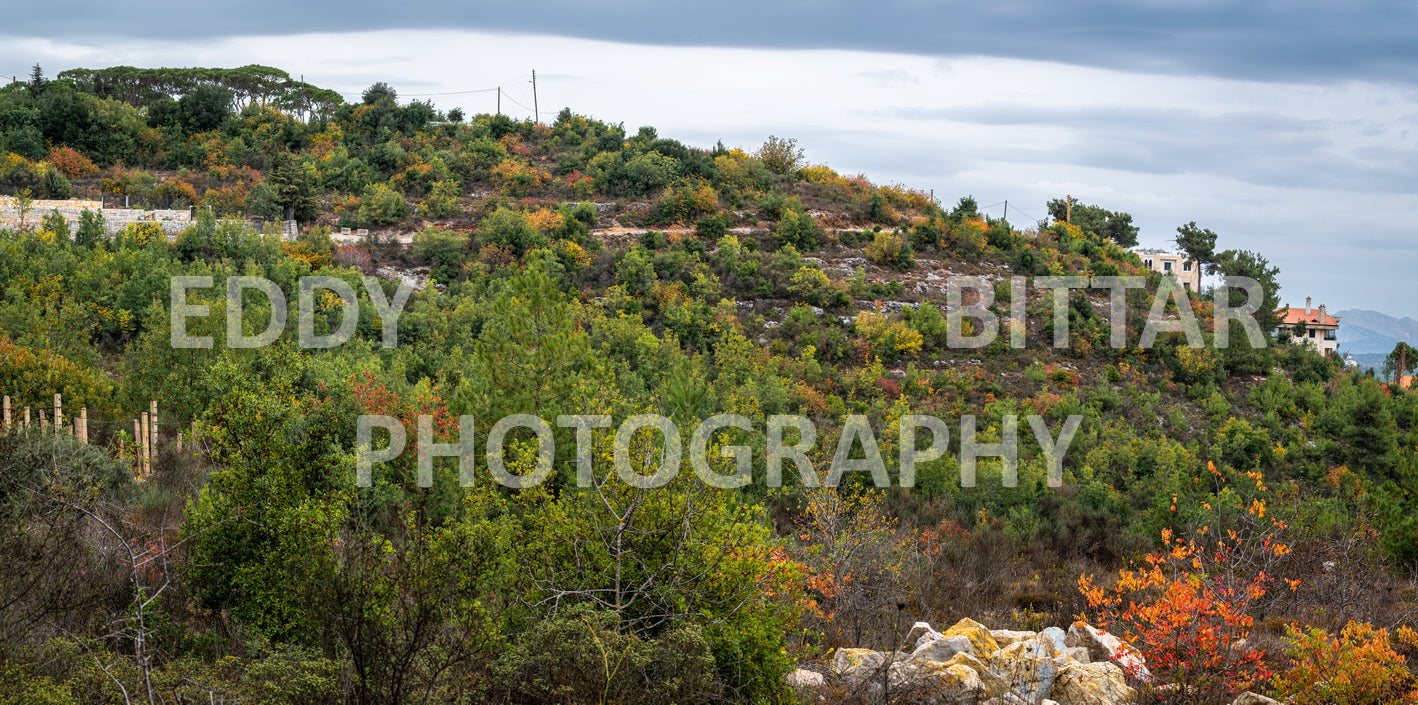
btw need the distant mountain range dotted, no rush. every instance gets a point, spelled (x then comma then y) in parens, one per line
(1370, 336)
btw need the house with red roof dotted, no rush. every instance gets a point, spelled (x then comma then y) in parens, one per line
(1312, 325)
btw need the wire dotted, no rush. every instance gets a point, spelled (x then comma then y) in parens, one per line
(1021, 210)
(421, 95)
(514, 100)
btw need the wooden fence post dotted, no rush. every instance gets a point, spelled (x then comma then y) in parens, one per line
(7, 412)
(138, 447)
(144, 443)
(27, 417)
(83, 428)
(58, 413)
(153, 431)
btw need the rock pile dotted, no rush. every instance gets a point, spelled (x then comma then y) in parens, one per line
(970, 663)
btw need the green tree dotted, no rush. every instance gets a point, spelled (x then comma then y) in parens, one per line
(529, 355)
(1244, 263)
(206, 108)
(1403, 360)
(294, 180)
(90, 230)
(263, 528)
(781, 156)
(444, 250)
(1099, 223)
(635, 272)
(54, 222)
(380, 92)
(1198, 244)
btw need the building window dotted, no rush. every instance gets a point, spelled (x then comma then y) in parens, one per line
(1166, 266)
(1312, 332)
(1148, 262)
(1187, 266)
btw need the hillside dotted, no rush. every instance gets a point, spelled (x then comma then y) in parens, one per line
(273, 548)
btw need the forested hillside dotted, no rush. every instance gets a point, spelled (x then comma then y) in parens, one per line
(578, 268)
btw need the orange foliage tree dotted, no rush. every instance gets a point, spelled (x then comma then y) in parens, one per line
(71, 163)
(1186, 610)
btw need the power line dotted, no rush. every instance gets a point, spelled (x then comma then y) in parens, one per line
(1021, 210)
(423, 95)
(514, 100)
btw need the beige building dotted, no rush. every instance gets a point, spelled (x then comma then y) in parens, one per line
(1186, 270)
(1320, 329)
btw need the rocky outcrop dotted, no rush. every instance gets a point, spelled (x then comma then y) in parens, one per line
(969, 662)
(1249, 698)
(1103, 646)
(1091, 684)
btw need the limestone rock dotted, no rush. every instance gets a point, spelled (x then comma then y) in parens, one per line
(944, 648)
(949, 682)
(1058, 636)
(921, 633)
(849, 661)
(1005, 637)
(1091, 684)
(1073, 653)
(1028, 667)
(805, 679)
(979, 636)
(993, 685)
(1249, 698)
(1103, 646)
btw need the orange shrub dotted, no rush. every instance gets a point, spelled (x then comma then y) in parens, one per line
(227, 200)
(1359, 667)
(71, 163)
(174, 192)
(516, 177)
(545, 220)
(1186, 610)
(1183, 620)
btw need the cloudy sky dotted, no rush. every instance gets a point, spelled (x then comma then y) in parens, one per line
(1286, 127)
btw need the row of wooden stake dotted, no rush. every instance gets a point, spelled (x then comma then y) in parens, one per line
(145, 428)
(80, 427)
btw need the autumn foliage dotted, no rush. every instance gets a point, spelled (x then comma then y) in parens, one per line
(1359, 666)
(72, 163)
(1186, 609)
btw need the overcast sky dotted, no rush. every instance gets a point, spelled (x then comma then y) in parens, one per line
(1286, 127)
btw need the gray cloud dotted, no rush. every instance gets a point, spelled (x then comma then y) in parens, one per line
(1299, 40)
(1258, 147)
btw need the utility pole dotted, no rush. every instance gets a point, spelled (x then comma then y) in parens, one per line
(1068, 211)
(536, 111)
(499, 101)
(1006, 210)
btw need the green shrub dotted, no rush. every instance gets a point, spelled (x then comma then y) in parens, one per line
(382, 205)
(442, 201)
(589, 657)
(443, 250)
(891, 251)
(798, 229)
(510, 229)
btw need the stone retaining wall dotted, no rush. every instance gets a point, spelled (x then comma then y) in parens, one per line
(114, 219)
